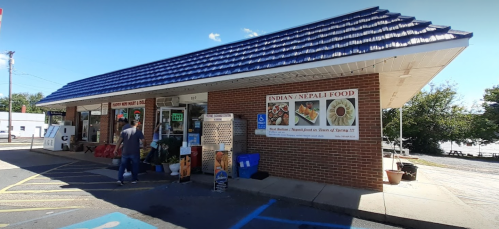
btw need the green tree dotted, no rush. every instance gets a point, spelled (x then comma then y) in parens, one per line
(20, 99)
(429, 118)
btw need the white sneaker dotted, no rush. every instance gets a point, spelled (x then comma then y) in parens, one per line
(120, 183)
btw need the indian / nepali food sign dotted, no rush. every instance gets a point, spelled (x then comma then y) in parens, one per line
(317, 115)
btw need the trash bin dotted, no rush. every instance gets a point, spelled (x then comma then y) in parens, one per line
(409, 169)
(248, 164)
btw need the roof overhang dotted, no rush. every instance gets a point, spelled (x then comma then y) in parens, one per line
(403, 72)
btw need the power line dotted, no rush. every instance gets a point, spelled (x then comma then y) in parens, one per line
(27, 74)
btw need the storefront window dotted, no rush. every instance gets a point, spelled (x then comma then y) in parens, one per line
(136, 114)
(195, 122)
(94, 126)
(84, 117)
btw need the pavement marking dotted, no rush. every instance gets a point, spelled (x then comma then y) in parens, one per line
(252, 215)
(43, 217)
(52, 178)
(84, 169)
(113, 220)
(63, 172)
(97, 182)
(4, 225)
(31, 177)
(36, 209)
(311, 223)
(79, 190)
(40, 200)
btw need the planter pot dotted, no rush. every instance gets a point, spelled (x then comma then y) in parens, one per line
(159, 168)
(116, 161)
(175, 168)
(394, 176)
(166, 168)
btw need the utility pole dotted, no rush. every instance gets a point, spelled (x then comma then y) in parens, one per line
(11, 60)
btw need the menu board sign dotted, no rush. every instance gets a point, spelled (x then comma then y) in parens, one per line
(317, 115)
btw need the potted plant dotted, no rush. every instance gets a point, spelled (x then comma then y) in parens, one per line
(174, 165)
(158, 163)
(394, 176)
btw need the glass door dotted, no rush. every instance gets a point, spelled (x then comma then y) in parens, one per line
(173, 126)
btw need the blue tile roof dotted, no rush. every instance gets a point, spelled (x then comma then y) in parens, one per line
(364, 31)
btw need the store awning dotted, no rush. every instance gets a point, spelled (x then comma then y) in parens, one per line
(407, 53)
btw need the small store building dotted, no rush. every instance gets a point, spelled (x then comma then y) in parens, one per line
(312, 95)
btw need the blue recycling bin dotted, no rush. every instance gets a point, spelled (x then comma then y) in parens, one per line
(247, 164)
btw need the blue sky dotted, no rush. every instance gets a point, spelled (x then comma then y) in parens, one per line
(62, 41)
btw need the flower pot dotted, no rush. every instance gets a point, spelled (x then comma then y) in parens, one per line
(166, 168)
(116, 161)
(175, 168)
(159, 168)
(394, 176)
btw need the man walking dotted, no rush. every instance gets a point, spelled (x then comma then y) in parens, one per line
(131, 139)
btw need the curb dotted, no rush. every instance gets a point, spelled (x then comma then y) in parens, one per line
(55, 155)
(366, 215)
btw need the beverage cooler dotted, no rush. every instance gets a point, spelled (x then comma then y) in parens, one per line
(226, 129)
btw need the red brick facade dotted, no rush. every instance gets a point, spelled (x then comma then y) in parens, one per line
(71, 114)
(150, 118)
(105, 126)
(347, 163)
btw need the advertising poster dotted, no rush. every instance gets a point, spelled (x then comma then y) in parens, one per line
(317, 115)
(221, 175)
(185, 168)
(84, 132)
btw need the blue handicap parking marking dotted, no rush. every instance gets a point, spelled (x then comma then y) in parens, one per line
(114, 220)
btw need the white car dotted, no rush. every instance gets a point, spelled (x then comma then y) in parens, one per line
(4, 134)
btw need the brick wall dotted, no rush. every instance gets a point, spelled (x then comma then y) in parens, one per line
(104, 126)
(150, 118)
(71, 114)
(347, 163)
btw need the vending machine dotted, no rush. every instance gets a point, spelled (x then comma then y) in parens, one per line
(58, 136)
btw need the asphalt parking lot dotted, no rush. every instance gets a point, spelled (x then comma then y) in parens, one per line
(43, 191)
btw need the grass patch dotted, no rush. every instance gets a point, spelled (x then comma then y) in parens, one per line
(425, 162)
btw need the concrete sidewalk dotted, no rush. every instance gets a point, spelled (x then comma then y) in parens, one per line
(423, 204)
(76, 155)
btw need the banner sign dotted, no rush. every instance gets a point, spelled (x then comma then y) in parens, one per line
(127, 104)
(185, 164)
(317, 115)
(104, 108)
(221, 175)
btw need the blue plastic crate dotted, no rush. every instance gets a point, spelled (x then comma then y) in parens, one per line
(246, 172)
(248, 160)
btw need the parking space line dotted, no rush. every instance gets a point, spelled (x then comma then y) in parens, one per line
(4, 225)
(36, 209)
(41, 200)
(252, 215)
(97, 182)
(311, 223)
(80, 190)
(44, 217)
(55, 178)
(83, 169)
(29, 178)
(63, 172)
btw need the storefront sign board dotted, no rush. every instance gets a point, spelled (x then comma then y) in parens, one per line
(104, 108)
(129, 104)
(219, 117)
(261, 121)
(317, 115)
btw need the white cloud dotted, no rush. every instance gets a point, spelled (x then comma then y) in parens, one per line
(215, 37)
(250, 33)
(1, 95)
(4, 61)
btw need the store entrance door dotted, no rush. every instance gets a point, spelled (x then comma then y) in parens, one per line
(173, 126)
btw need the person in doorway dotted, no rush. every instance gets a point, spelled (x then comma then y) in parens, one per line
(131, 139)
(154, 145)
